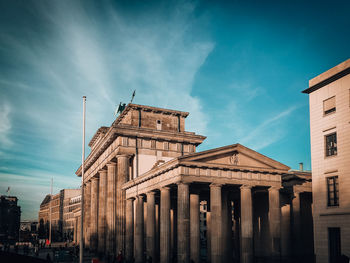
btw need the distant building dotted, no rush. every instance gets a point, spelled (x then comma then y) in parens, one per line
(329, 98)
(59, 206)
(10, 215)
(28, 231)
(70, 206)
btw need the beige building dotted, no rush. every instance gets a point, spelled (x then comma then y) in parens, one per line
(330, 154)
(144, 183)
(60, 206)
(70, 205)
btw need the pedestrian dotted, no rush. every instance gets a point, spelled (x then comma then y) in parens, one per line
(48, 258)
(120, 257)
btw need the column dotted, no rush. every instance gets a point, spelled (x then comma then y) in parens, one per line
(87, 211)
(94, 213)
(151, 226)
(129, 237)
(102, 224)
(157, 233)
(208, 236)
(183, 223)
(111, 207)
(226, 232)
(123, 175)
(139, 230)
(246, 224)
(194, 227)
(165, 225)
(275, 221)
(296, 225)
(216, 217)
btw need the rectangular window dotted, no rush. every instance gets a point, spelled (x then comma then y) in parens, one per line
(331, 144)
(333, 191)
(329, 106)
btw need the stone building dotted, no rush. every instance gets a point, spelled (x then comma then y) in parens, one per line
(144, 183)
(10, 215)
(60, 207)
(329, 99)
(70, 205)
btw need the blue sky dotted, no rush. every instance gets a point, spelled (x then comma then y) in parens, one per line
(238, 67)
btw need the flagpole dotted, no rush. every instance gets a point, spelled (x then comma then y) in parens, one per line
(81, 247)
(50, 210)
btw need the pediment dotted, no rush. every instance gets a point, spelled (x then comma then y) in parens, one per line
(235, 155)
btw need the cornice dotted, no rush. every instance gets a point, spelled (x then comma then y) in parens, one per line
(135, 132)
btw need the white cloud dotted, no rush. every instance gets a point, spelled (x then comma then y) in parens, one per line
(269, 131)
(158, 57)
(5, 125)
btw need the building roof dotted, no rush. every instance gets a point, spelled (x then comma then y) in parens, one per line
(46, 200)
(329, 76)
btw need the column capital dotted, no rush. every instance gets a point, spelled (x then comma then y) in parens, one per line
(94, 178)
(215, 185)
(182, 182)
(151, 193)
(141, 196)
(130, 199)
(102, 171)
(111, 163)
(165, 188)
(245, 186)
(123, 155)
(271, 188)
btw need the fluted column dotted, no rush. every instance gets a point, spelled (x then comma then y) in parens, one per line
(208, 236)
(94, 213)
(275, 221)
(139, 230)
(151, 226)
(87, 211)
(225, 229)
(216, 231)
(183, 223)
(123, 175)
(129, 238)
(165, 225)
(246, 224)
(194, 227)
(296, 226)
(111, 206)
(102, 205)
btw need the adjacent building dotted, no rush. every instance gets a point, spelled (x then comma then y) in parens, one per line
(149, 194)
(329, 98)
(58, 208)
(10, 216)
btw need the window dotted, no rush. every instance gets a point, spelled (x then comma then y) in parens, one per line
(329, 106)
(159, 125)
(333, 191)
(331, 144)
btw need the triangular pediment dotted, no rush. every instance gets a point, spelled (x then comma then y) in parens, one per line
(235, 155)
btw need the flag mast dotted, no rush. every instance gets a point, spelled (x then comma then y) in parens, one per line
(81, 247)
(50, 211)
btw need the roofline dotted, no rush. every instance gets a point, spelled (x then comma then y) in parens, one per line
(231, 146)
(148, 108)
(328, 77)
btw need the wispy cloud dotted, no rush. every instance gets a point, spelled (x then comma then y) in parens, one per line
(74, 51)
(5, 125)
(269, 131)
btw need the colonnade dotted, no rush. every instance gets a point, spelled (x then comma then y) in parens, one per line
(104, 208)
(141, 244)
(114, 224)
